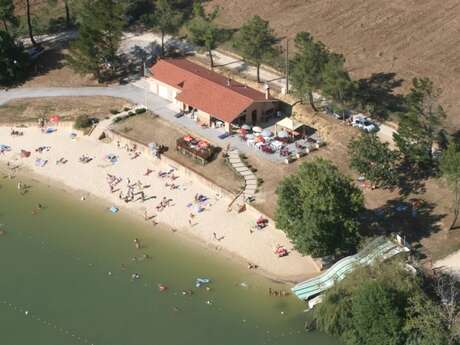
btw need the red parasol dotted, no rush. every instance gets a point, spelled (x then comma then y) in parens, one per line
(188, 138)
(55, 118)
(203, 144)
(260, 139)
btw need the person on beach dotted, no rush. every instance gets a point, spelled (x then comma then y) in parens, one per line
(137, 244)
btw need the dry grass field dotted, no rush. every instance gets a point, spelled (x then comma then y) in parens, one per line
(25, 110)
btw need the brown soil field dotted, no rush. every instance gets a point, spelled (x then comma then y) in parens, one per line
(411, 38)
(25, 110)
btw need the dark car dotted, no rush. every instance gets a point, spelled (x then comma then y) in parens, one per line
(179, 114)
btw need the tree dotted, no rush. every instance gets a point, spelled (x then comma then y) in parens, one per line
(203, 31)
(424, 324)
(319, 208)
(450, 169)
(13, 60)
(307, 67)
(374, 160)
(336, 82)
(29, 23)
(95, 51)
(7, 13)
(384, 304)
(166, 18)
(447, 291)
(67, 3)
(377, 315)
(420, 124)
(256, 42)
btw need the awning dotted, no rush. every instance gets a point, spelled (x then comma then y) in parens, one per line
(289, 124)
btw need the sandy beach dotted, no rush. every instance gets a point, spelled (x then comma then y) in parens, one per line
(156, 190)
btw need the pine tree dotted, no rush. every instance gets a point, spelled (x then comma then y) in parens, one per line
(256, 42)
(95, 51)
(307, 67)
(336, 82)
(203, 30)
(29, 23)
(7, 13)
(450, 168)
(13, 60)
(419, 126)
(166, 18)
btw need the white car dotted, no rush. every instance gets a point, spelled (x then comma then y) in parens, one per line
(362, 122)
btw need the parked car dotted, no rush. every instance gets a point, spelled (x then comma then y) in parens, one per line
(362, 122)
(179, 114)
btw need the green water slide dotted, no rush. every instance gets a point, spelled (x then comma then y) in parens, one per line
(379, 248)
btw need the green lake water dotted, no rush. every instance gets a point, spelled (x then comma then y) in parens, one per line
(55, 286)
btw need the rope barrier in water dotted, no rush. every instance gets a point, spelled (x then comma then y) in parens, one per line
(44, 322)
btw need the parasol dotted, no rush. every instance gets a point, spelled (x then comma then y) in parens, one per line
(266, 133)
(246, 127)
(283, 134)
(260, 139)
(257, 129)
(55, 118)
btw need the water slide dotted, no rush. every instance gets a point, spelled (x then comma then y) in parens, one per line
(380, 248)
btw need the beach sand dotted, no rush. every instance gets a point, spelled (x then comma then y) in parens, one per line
(215, 226)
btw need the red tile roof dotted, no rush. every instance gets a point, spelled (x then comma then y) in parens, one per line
(206, 90)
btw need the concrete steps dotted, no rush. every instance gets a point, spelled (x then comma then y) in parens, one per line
(241, 168)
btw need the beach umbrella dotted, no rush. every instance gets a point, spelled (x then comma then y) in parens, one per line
(257, 129)
(246, 127)
(266, 133)
(188, 138)
(55, 118)
(203, 144)
(260, 139)
(283, 134)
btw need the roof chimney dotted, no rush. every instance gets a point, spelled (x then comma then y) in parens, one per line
(267, 91)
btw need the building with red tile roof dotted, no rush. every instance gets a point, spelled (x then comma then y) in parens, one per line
(211, 96)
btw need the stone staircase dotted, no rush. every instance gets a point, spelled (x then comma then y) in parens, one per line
(250, 180)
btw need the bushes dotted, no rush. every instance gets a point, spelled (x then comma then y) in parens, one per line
(140, 110)
(84, 121)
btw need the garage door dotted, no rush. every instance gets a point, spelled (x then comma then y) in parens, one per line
(164, 92)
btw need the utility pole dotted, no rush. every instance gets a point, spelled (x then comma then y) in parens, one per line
(287, 65)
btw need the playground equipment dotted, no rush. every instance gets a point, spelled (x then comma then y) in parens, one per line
(380, 248)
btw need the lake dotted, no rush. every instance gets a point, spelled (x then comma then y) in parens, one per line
(66, 278)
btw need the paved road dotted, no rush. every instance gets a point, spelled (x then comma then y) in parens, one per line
(128, 92)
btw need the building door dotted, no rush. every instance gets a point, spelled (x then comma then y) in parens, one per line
(164, 92)
(254, 117)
